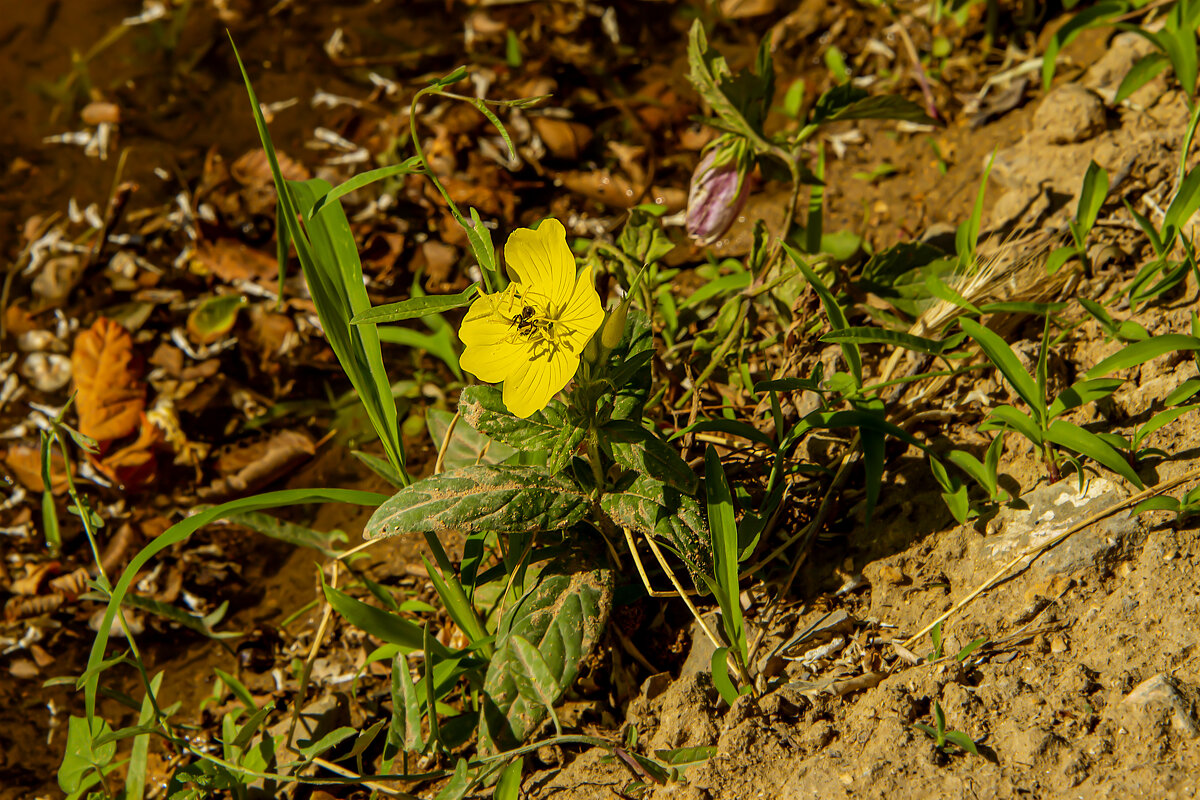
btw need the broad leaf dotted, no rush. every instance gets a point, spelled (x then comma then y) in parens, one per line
(637, 449)
(498, 498)
(553, 430)
(562, 616)
(652, 508)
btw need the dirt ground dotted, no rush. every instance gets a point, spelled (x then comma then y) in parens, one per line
(1087, 684)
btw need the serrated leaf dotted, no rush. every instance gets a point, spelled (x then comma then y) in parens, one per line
(637, 449)
(498, 498)
(553, 430)
(849, 102)
(562, 617)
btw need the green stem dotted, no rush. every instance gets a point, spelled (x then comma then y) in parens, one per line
(476, 632)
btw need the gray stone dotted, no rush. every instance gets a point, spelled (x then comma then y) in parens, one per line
(1069, 113)
(1050, 511)
(1156, 705)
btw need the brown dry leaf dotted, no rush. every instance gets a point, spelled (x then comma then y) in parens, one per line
(25, 463)
(134, 465)
(35, 577)
(111, 394)
(563, 138)
(250, 467)
(231, 260)
(252, 168)
(18, 320)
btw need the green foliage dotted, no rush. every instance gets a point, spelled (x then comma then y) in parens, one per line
(945, 739)
(561, 617)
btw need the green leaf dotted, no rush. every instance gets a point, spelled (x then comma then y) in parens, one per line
(381, 624)
(1141, 352)
(720, 675)
(81, 754)
(459, 784)
(1082, 393)
(135, 777)
(1088, 18)
(214, 317)
(466, 446)
(179, 532)
(1185, 202)
(415, 307)
(961, 740)
(653, 508)
(637, 449)
(409, 166)
(837, 318)
(562, 616)
(554, 430)
(971, 647)
(869, 335)
(534, 678)
(1005, 360)
(1009, 418)
(503, 499)
(1144, 70)
(509, 785)
(955, 494)
(1162, 503)
(731, 426)
(289, 532)
(1182, 393)
(722, 529)
(404, 731)
(1089, 444)
(974, 468)
(850, 102)
(382, 467)
(1091, 197)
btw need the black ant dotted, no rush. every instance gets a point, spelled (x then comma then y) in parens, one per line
(524, 321)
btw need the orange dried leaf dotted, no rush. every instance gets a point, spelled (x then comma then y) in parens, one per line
(111, 395)
(25, 463)
(134, 465)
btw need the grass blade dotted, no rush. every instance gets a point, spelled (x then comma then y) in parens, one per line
(723, 532)
(1000, 354)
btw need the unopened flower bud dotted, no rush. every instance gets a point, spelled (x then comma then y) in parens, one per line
(613, 327)
(717, 194)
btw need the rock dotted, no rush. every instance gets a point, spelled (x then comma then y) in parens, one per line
(1070, 113)
(46, 372)
(1105, 76)
(1049, 511)
(1156, 705)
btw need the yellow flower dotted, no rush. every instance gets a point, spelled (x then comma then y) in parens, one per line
(531, 335)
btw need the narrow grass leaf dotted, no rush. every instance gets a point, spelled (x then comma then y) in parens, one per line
(734, 427)
(415, 307)
(1141, 352)
(409, 166)
(1007, 417)
(1005, 360)
(1083, 392)
(723, 532)
(1089, 444)
(377, 622)
(720, 675)
(135, 778)
(837, 318)
(869, 335)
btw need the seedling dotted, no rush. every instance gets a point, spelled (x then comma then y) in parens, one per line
(943, 739)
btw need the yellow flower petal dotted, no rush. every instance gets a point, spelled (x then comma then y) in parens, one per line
(583, 313)
(542, 261)
(530, 388)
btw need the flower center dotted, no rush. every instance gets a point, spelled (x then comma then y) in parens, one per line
(532, 321)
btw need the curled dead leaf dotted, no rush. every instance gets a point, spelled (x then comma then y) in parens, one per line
(563, 138)
(111, 395)
(133, 465)
(250, 467)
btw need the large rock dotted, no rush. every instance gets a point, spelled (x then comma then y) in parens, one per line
(1156, 706)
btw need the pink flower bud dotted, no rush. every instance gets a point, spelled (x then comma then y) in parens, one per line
(716, 196)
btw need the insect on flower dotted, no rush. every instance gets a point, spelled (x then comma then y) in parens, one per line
(531, 335)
